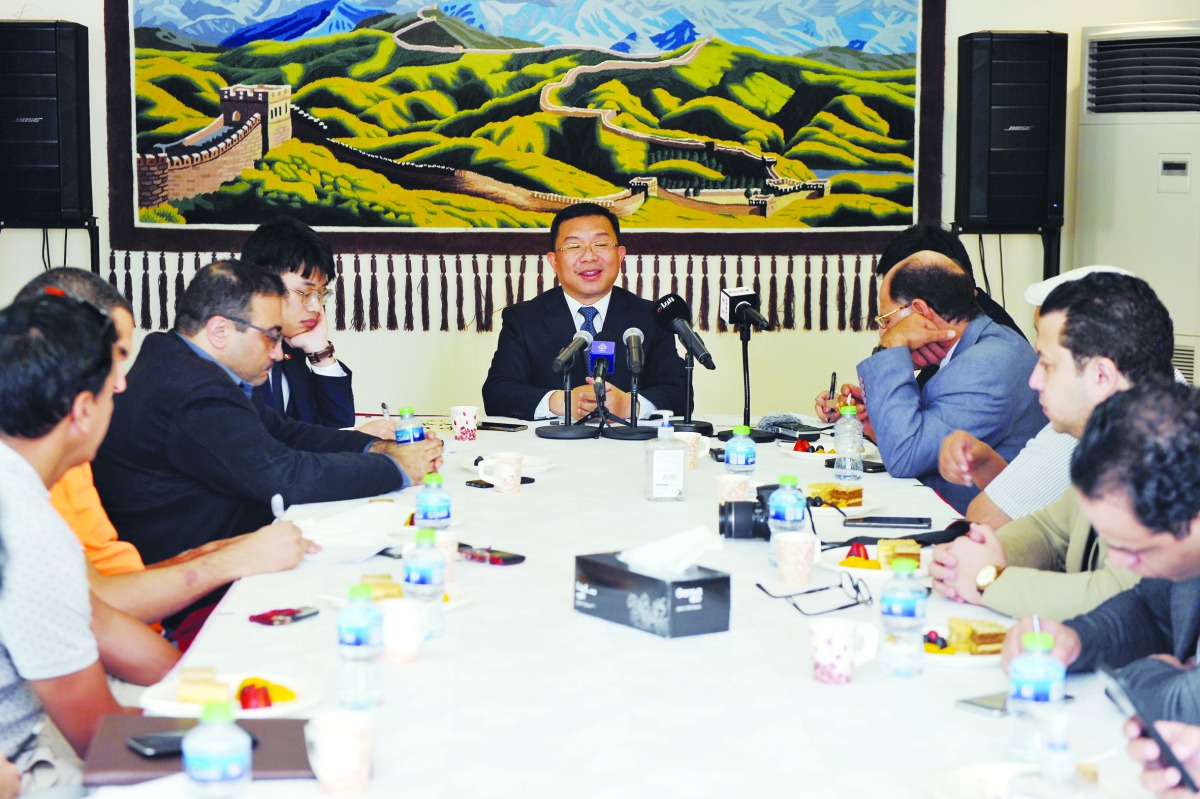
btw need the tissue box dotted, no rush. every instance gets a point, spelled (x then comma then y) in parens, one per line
(693, 603)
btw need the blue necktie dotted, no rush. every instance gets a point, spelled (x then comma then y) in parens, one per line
(589, 315)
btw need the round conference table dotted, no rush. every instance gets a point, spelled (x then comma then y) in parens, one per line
(524, 696)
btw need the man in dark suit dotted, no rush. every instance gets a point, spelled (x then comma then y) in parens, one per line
(189, 458)
(586, 257)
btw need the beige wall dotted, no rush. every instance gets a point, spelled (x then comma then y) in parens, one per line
(435, 370)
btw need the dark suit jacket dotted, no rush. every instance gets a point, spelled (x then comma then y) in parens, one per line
(189, 459)
(533, 332)
(1155, 617)
(312, 398)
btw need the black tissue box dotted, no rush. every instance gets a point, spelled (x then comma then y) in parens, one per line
(694, 603)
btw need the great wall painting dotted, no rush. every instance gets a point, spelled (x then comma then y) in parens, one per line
(402, 116)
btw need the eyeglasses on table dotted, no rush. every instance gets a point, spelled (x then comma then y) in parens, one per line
(852, 587)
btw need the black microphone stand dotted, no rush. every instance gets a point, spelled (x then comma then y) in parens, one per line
(685, 424)
(629, 430)
(757, 435)
(567, 429)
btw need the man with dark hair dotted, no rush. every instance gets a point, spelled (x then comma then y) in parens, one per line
(980, 387)
(1137, 471)
(586, 256)
(1097, 336)
(309, 383)
(115, 569)
(191, 459)
(57, 378)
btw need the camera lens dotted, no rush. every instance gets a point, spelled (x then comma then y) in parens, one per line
(743, 520)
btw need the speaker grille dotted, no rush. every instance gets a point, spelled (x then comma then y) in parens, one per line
(1144, 75)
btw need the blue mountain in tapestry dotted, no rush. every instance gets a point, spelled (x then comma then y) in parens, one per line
(681, 34)
(318, 19)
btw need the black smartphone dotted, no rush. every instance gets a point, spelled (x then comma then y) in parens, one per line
(485, 484)
(907, 522)
(1117, 691)
(798, 432)
(993, 704)
(870, 467)
(163, 744)
(503, 427)
(717, 455)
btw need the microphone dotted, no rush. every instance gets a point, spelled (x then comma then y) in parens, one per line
(633, 342)
(739, 305)
(564, 358)
(672, 313)
(602, 359)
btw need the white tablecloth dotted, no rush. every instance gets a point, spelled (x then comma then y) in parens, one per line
(525, 697)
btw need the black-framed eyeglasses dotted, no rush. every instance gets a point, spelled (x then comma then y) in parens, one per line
(854, 588)
(320, 295)
(275, 334)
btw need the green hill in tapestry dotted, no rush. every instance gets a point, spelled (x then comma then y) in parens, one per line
(472, 130)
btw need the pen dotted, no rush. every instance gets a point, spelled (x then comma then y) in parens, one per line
(832, 388)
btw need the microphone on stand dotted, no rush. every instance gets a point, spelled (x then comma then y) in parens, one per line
(563, 359)
(739, 306)
(633, 353)
(672, 313)
(601, 360)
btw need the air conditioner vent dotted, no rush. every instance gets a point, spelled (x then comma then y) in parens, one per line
(1144, 75)
(1184, 359)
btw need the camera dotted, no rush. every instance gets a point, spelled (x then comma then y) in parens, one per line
(746, 519)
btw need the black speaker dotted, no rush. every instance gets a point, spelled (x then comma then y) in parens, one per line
(1012, 111)
(45, 125)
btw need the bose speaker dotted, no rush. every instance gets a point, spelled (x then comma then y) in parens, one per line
(45, 126)
(1012, 109)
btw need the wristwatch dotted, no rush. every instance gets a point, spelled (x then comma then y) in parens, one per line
(320, 355)
(987, 575)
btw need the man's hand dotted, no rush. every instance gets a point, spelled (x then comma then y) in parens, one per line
(10, 779)
(915, 331)
(616, 401)
(959, 455)
(314, 340)
(929, 354)
(829, 408)
(274, 548)
(380, 428)
(1067, 645)
(417, 460)
(1164, 781)
(956, 564)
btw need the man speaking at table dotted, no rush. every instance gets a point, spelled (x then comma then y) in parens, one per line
(586, 257)
(189, 458)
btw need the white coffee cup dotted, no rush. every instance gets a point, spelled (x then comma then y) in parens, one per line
(465, 420)
(405, 623)
(503, 470)
(340, 747)
(734, 488)
(697, 447)
(838, 645)
(795, 553)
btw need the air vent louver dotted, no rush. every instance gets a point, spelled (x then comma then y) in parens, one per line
(1144, 75)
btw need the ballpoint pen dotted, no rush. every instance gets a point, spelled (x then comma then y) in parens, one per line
(832, 388)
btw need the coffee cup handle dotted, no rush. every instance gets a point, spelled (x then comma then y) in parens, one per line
(869, 635)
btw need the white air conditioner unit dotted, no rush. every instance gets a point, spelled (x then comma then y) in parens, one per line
(1138, 191)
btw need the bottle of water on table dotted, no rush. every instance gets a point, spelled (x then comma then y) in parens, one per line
(741, 453)
(903, 606)
(217, 755)
(848, 441)
(360, 644)
(433, 504)
(425, 578)
(409, 429)
(786, 509)
(1037, 684)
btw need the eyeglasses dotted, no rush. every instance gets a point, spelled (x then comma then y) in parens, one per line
(598, 248)
(275, 334)
(320, 295)
(879, 319)
(852, 587)
(106, 320)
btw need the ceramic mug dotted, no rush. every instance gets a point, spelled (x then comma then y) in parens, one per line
(838, 645)
(465, 420)
(340, 746)
(503, 470)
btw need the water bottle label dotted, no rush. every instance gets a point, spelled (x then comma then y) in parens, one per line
(1038, 690)
(410, 435)
(433, 511)
(425, 575)
(213, 769)
(739, 458)
(906, 606)
(357, 636)
(787, 513)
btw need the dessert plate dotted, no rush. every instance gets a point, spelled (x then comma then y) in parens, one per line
(832, 558)
(160, 699)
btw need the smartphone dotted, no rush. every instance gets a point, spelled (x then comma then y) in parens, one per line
(1116, 689)
(393, 552)
(870, 467)
(717, 455)
(485, 484)
(907, 522)
(503, 427)
(163, 744)
(992, 704)
(797, 433)
(495, 557)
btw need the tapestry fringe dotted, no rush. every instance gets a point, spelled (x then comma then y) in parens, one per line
(841, 294)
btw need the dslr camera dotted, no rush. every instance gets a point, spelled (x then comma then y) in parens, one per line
(746, 519)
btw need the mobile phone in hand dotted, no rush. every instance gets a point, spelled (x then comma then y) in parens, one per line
(1117, 690)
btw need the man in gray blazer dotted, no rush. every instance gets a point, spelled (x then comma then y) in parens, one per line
(980, 386)
(1137, 470)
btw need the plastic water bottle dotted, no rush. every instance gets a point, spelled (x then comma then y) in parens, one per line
(360, 644)
(903, 606)
(1037, 682)
(216, 755)
(433, 504)
(425, 579)
(666, 463)
(741, 453)
(848, 441)
(409, 430)
(786, 510)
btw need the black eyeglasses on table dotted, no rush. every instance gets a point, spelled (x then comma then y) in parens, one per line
(854, 588)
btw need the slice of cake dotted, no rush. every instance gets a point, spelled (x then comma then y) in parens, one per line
(199, 686)
(839, 495)
(977, 636)
(888, 549)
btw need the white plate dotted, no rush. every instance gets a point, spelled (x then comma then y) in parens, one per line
(963, 660)
(160, 699)
(870, 505)
(831, 559)
(530, 465)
